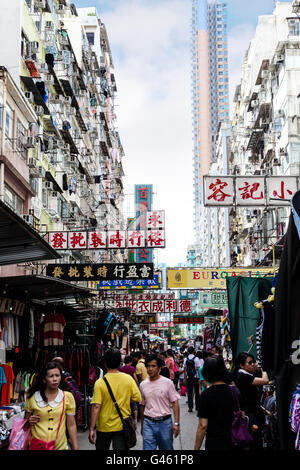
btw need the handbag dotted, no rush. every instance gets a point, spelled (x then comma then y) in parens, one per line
(19, 435)
(128, 423)
(39, 444)
(183, 391)
(240, 435)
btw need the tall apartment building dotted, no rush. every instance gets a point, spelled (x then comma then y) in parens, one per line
(63, 156)
(265, 130)
(210, 99)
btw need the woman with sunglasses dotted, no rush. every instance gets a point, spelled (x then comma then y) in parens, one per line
(248, 383)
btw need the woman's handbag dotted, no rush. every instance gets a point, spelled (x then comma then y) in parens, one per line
(38, 444)
(129, 428)
(19, 435)
(240, 435)
(183, 391)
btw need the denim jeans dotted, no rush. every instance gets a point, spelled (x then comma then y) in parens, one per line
(104, 439)
(192, 386)
(158, 434)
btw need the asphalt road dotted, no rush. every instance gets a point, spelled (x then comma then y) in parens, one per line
(185, 441)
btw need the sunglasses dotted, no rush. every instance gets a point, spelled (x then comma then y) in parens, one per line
(251, 362)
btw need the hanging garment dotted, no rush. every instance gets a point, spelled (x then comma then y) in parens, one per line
(295, 420)
(259, 331)
(54, 324)
(6, 387)
(31, 329)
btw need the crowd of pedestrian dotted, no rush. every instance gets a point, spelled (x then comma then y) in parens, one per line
(146, 388)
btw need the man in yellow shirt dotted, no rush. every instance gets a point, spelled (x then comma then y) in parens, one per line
(104, 415)
(141, 371)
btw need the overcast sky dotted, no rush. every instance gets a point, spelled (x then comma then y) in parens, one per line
(150, 43)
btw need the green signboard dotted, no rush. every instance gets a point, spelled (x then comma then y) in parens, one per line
(216, 299)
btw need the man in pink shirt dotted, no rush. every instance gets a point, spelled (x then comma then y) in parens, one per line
(158, 397)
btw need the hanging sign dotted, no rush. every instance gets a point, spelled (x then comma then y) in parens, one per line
(215, 299)
(197, 278)
(156, 306)
(249, 191)
(192, 320)
(154, 283)
(106, 240)
(96, 272)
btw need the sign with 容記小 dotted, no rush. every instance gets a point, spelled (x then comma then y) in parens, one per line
(249, 191)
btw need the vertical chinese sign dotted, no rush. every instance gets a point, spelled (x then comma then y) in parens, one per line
(143, 203)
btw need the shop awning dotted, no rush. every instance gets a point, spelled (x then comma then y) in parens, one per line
(19, 242)
(40, 287)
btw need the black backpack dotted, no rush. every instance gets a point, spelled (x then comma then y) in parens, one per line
(190, 368)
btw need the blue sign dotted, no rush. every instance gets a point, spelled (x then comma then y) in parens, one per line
(131, 284)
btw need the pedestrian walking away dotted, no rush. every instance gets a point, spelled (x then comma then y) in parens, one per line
(104, 415)
(158, 398)
(216, 408)
(191, 367)
(49, 409)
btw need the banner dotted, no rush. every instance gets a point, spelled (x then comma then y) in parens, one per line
(154, 283)
(95, 272)
(143, 204)
(198, 278)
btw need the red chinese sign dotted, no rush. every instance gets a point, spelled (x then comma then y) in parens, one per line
(155, 220)
(156, 306)
(249, 191)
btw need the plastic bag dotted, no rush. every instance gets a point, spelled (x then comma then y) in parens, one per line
(19, 435)
(183, 390)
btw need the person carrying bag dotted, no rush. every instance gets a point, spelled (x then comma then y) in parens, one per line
(240, 435)
(128, 423)
(39, 444)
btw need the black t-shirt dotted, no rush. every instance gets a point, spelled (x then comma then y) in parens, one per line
(216, 405)
(249, 392)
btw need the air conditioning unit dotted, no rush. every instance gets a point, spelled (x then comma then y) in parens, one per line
(34, 47)
(49, 78)
(40, 3)
(28, 219)
(49, 185)
(276, 162)
(59, 56)
(39, 110)
(32, 163)
(254, 103)
(280, 58)
(282, 151)
(49, 25)
(29, 95)
(61, 9)
(54, 194)
(30, 142)
(72, 111)
(279, 113)
(66, 148)
(42, 172)
(43, 67)
(82, 177)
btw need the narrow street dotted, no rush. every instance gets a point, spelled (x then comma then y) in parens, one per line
(185, 441)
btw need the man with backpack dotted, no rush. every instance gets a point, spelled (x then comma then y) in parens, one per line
(191, 367)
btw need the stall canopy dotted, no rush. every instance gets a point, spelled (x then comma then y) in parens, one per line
(19, 242)
(44, 288)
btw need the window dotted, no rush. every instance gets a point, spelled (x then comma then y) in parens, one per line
(13, 200)
(20, 137)
(9, 119)
(294, 29)
(91, 38)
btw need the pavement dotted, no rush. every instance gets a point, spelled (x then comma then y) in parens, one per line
(185, 440)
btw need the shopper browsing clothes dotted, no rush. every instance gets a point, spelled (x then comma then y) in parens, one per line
(104, 415)
(49, 409)
(158, 396)
(248, 382)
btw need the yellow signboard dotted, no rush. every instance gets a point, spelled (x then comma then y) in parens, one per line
(197, 278)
